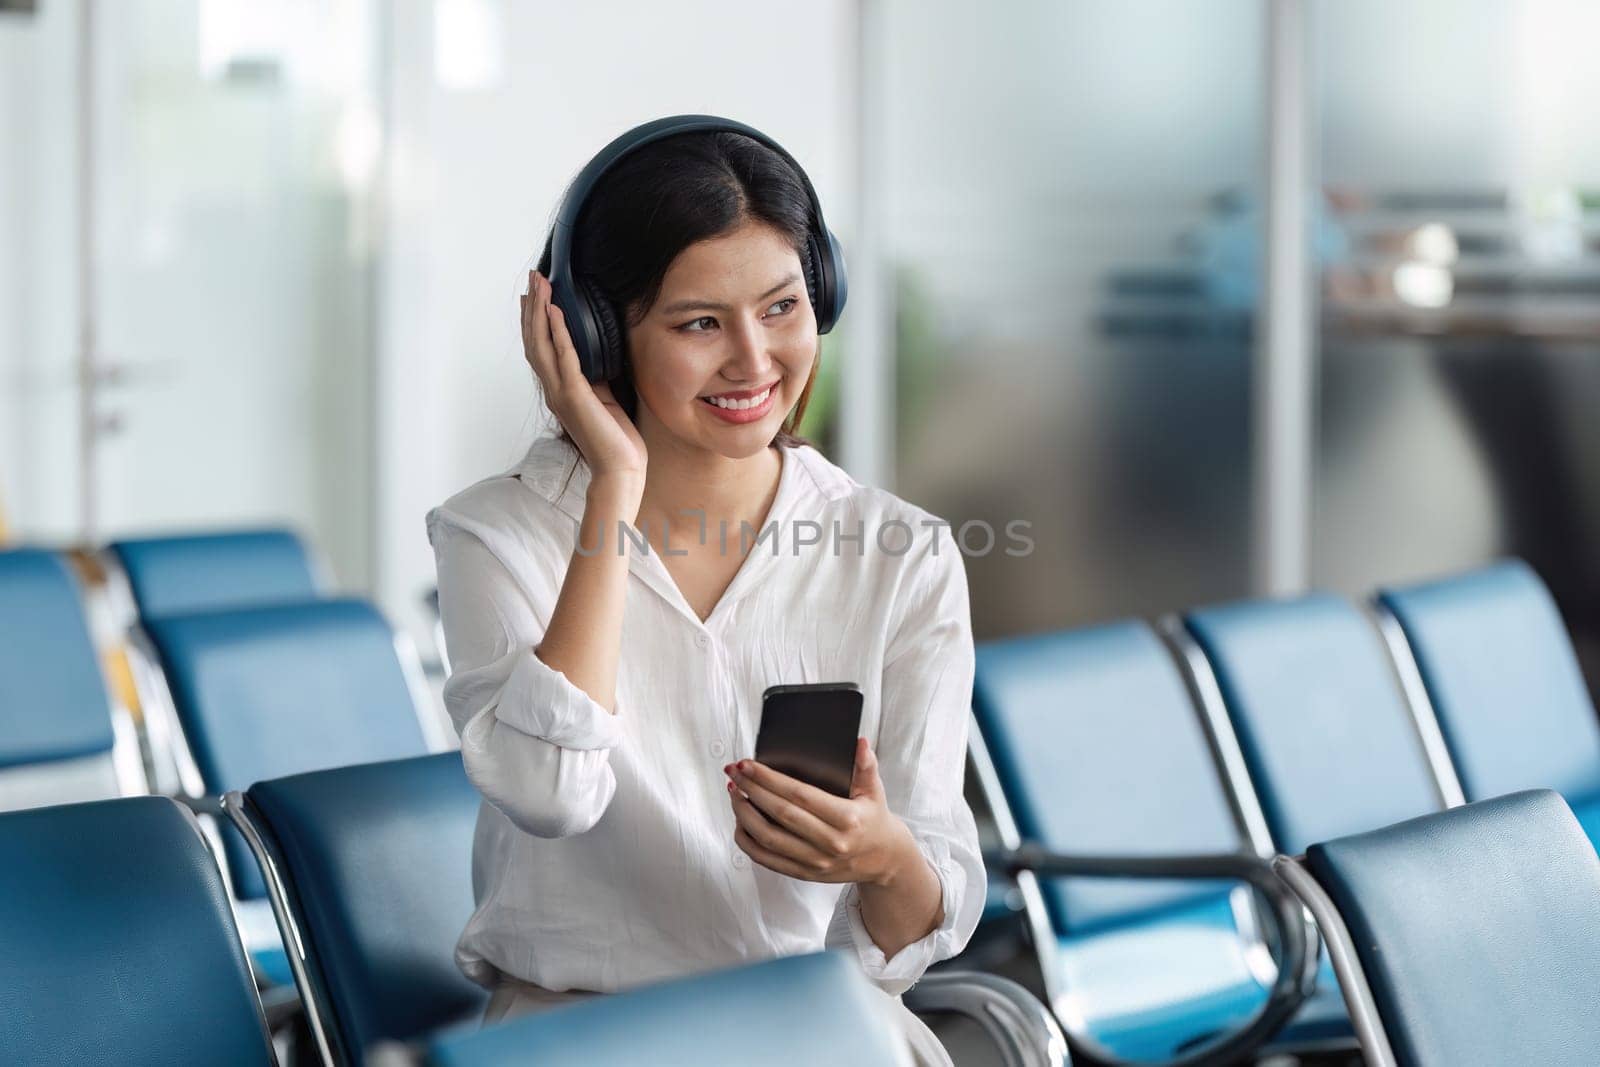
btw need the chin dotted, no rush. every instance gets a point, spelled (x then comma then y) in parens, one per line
(744, 443)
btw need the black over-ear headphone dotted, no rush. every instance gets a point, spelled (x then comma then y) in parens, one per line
(595, 325)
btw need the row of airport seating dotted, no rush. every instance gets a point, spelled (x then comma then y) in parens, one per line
(1257, 728)
(291, 729)
(120, 948)
(1134, 774)
(246, 667)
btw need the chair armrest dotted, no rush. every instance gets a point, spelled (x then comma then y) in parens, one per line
(206, 805)
(1021, 1027)
(1297, 934)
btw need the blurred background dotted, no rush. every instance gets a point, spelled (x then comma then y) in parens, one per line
(259, 263)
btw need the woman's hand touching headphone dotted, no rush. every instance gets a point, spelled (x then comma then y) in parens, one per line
(608, 439)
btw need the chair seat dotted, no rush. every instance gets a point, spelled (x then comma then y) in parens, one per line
(119, 945)
(816, 1008)
(1477, 931)
(1153, 990)
(1162, 1030)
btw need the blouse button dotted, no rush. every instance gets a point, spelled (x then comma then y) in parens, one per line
(702, 639)
(718, 748)
(740, 860)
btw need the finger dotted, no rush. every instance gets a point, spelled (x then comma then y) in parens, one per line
(820, 842)
(536, 332)
(865, 781)
(769, 859)
(772, 837)
(526, 301)
(837, 812)
(791, 815)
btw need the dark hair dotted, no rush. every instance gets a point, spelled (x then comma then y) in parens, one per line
(660, 199)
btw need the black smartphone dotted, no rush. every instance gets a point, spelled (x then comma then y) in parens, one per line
(809, 732)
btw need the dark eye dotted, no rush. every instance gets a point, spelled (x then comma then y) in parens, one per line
(790, 301)
(690, 327)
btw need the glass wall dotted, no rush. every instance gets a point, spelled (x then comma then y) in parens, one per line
(1460, 336)
(230, 160)
(1074, 232)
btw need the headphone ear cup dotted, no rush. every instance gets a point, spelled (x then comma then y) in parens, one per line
(825, 278)
(609, 326)
(808, 271)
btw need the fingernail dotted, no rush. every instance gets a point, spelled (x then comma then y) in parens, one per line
(744, 765)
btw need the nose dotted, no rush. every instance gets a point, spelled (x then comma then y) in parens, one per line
(749, 362)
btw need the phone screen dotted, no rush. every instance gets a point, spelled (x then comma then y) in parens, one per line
(809, 732)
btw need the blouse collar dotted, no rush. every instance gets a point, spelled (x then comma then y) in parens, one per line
(553, 463)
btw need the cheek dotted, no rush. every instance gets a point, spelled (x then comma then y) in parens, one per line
(672, 371)
(800, 351)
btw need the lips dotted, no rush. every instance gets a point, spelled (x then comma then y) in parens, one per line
(741, 394)
(748, 409)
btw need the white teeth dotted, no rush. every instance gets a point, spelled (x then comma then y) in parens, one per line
(741, 405)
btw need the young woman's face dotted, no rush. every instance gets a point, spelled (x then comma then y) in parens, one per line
(732, 318)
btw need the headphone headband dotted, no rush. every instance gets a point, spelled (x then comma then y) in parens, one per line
(599, 353)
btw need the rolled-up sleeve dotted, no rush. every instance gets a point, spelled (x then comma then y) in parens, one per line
(534, 744)
(921, 750)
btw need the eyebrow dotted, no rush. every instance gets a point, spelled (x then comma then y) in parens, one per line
(698, 305)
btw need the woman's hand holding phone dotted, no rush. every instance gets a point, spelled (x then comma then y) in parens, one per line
(794, 828)
(608, 439)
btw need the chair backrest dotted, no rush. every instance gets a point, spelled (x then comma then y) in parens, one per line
(56, 734)
(1504, 682)
(195, 572)
(815, 1008)
(281, 689)
(1478, 930)
(377, 862)
(1321, 720)
(1099, 749)
(118, 942)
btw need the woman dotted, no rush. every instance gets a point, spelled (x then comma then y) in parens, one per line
(615, 605)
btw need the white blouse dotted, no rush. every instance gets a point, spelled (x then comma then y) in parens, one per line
(604, 854)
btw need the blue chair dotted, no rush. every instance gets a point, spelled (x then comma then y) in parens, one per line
(1306, 693)
(799, 1009)
(242, 695)
(370, 877)
(1088, 743)
(372, 874)
(197, 572)
(62, 738)
(1466, 937)
(1304, 697)
(1498, 670)
(119, 946)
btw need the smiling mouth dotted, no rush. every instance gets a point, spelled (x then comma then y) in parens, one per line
(743, 403)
